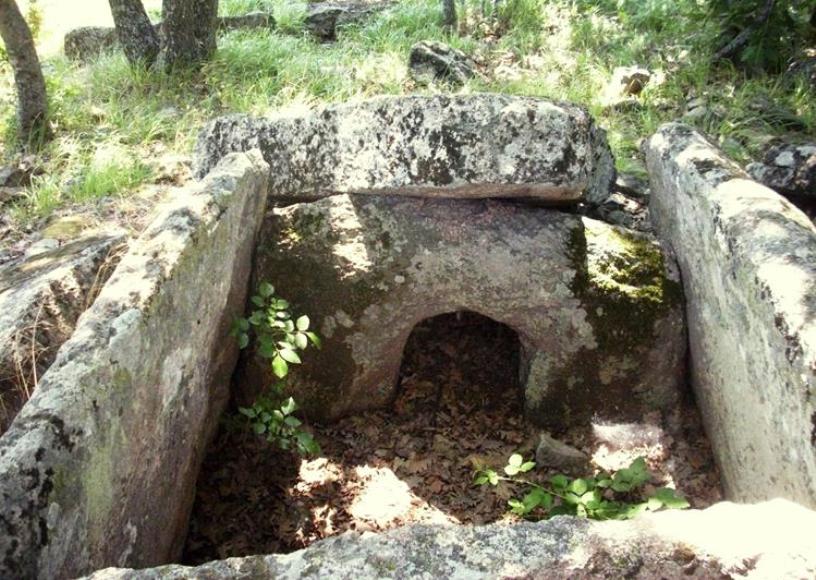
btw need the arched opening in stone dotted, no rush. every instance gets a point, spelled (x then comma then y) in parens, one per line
(458, 407)
(460, 359)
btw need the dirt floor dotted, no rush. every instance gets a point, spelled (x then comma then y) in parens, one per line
(458, 409)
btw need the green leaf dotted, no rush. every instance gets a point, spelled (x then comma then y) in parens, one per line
(289, 406)
(591, 499)
(563, 510)
(525, 467)
(267, 349)
(259, 428)
(302, 323)
(517, 507)
(603, 480)
(669, 498)
(537, 497)
(306, 442)
(292, 421)
(559, 482)
(578, 486)
(257, 318)
(289, 356)
(481, 478)
(653, 504)
(258, 301)
(283, 315)
(279, 367)
(249, 412)
(511, 470)
(492, 477)
(571, 498)
(301, 341)
(515, 460)
(314, 338)
(266, 289)
(243, 340)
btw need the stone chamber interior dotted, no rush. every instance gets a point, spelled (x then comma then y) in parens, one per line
(458, 407)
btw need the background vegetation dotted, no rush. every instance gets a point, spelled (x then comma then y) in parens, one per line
(113, 123)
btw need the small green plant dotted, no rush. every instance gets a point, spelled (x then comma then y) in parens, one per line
(279, 337)
(605, 496)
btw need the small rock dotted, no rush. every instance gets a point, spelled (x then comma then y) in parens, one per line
(803, 67)
(44, 245)
(20, 174)
(257, 19)
(65, 228)
(626, 84)
(322, 21)
(434, 61)
(632, 185)
(627, 435)
(554, 453)
(88, 42)
(10, 195)
(788, 168)
(622, 210)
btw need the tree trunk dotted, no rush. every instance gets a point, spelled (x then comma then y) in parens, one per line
(449, 14)
(32, 103)
(189, 32)
(136, 34)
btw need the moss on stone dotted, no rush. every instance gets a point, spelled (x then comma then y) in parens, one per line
(622, 282)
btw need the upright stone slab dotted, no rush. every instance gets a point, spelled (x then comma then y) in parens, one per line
(598, 309)
(41, 300)
(440, 146)
(748, 259)
(99, 468)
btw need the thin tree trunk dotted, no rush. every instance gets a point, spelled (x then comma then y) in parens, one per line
(189, 29)
(449, 14)
(32, 103)
(136, 34)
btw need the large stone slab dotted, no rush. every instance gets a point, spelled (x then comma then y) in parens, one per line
(748, 259)
(439, 146)
(99, 467)
(770, 540)
(598, 309)
(41, 299)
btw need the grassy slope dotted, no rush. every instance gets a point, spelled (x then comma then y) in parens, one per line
(111, 120)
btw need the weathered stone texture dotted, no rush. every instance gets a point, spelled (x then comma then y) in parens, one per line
(441, 146)
(788, 168)
(598, 310)
(725, 541)
(748, 259)
(99, 467)
(41, 300)
(88, 42)
(436, 61)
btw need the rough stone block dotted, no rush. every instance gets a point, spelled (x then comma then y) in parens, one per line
(99, 467)
(440, 146)
(748, 259)
(725, 541)
(598, 309)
